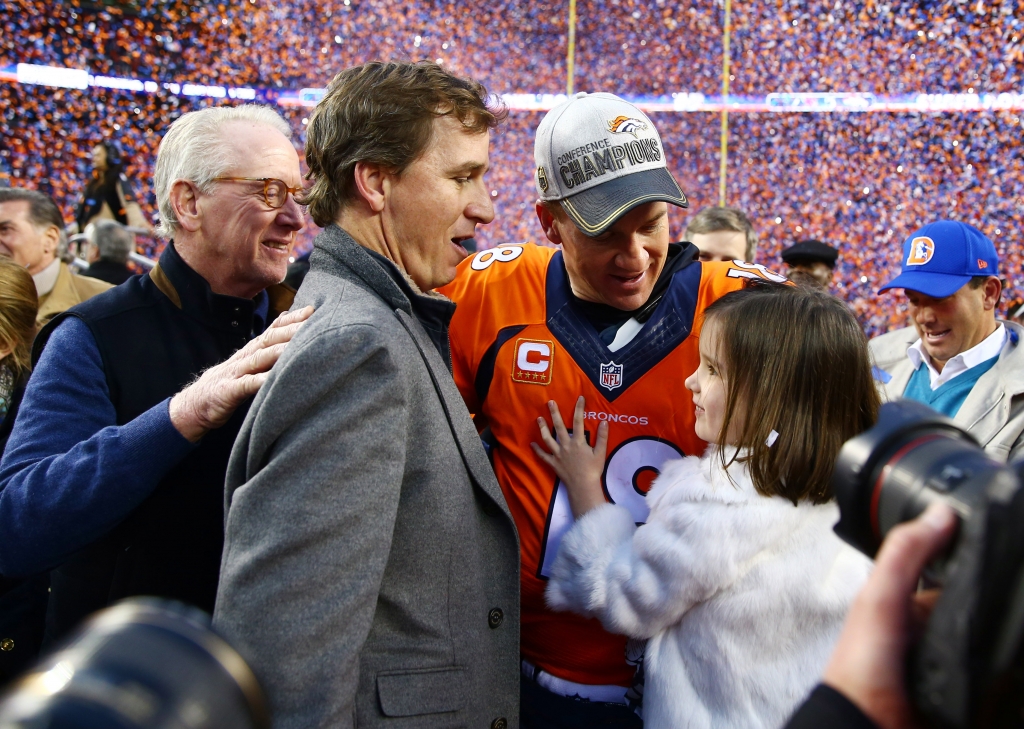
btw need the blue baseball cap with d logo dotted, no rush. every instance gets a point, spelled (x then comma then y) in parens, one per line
(943, 256)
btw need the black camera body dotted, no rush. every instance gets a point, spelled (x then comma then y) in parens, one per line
(968, 669)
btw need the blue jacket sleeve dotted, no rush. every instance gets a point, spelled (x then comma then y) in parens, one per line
(70, 473)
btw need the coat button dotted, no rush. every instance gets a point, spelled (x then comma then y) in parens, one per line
(500, 723)
(494, 618)
(7, 644)
(234, 323)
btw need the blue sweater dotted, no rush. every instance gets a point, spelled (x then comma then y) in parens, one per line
(69, 473)
(949, 396)
(67, 450)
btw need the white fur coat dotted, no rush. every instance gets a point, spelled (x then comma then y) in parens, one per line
(741, 595)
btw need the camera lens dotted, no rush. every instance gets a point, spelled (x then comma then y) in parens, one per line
(966, 670)
(142, 663)
(892, 472)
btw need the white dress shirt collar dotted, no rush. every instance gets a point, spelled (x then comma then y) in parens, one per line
(46, 279)
(985, 350)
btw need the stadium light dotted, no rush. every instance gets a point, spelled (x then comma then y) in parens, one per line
(676, 102)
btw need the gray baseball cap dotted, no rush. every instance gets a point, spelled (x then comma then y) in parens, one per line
(599, 157)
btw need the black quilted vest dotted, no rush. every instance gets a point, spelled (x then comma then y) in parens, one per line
(156, 333)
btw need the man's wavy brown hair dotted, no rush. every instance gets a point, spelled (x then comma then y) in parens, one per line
(797, 360)
(384, 113)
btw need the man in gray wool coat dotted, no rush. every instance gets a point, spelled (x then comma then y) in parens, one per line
(370, 574)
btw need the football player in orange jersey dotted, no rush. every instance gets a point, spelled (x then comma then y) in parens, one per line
(612, 316)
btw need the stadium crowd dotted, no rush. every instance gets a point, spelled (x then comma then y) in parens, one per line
(648, 48)
(290, 45)
(872, 173)
(941, 47)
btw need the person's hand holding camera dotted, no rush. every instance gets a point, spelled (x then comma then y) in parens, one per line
(869, 660)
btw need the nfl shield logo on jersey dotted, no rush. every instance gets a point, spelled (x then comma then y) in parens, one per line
(611, 376)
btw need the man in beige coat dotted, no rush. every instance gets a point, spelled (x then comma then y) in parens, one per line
(31, 230)
(957, 358)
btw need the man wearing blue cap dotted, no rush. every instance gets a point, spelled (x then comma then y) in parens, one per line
(957, 358)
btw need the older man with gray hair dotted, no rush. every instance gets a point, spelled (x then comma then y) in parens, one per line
(113, 477)
(108, 246)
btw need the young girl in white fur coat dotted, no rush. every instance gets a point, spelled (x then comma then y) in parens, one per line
(736, 578)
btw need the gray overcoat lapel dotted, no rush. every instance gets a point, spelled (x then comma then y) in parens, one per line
(466, 437)
(342, 256)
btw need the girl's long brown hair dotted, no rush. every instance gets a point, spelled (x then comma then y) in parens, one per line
(18, 306)
(797, 360)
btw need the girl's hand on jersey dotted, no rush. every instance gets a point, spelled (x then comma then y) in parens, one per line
(577, 465)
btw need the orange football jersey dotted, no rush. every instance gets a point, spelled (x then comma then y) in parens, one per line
(517, 342)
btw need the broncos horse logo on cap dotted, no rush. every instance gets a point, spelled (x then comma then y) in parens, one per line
(922, 249)
(626, 125)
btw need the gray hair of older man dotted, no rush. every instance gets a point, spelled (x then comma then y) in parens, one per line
(194, 150)
(113, 241)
